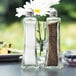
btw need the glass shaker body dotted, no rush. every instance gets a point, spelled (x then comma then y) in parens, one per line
(29, 55)
(53, 59)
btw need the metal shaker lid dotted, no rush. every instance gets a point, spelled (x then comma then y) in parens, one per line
(29, 12)
(53, 12)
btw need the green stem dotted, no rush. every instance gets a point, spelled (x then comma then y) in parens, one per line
(41, 41)
(41, 47)
(39, 30)
(44, 26)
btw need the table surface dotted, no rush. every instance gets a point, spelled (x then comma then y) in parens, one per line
(14, 69)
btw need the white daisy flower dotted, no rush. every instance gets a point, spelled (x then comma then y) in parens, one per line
(20, 11)
(37, 7)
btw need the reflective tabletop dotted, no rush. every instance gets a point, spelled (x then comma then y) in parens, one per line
(14, 69)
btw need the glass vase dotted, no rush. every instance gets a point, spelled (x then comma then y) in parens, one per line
(41, 43)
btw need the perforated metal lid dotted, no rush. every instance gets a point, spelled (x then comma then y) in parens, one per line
(29, 12)
(53, 12)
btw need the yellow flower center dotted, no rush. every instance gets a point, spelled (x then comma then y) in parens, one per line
(37, 10)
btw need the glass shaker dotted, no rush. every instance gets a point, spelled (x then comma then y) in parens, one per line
(53, 59)
(29, 60)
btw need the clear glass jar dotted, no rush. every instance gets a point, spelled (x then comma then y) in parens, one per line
(41, 43)
(29, 60)
(53, 57)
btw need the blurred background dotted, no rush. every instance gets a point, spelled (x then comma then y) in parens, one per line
(12, 31)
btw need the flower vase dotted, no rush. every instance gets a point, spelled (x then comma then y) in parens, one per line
(41, 43)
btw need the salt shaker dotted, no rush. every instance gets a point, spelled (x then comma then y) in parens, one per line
(29, 55)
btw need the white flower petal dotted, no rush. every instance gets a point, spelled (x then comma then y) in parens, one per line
(20, 11)
(27, 5)
(18, 15)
